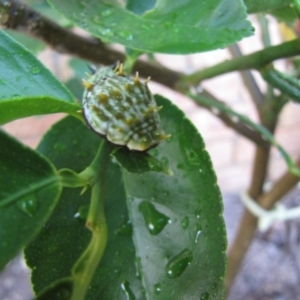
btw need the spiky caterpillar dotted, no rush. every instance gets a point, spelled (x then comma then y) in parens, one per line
(122, 109)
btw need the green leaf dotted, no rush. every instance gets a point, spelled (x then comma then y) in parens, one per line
(32, 44)
(135, 162)
(255, 6)
(29, 189)
(186, 26)
(285, 83)
(60, 290)
(178, 228)
(176, 222)
(26, 87)
(70, 144)
(286, 14)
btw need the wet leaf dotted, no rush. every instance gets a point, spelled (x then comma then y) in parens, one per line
(186, 256)
(175, 222)
(29, 189)
(26, 87)
(136, 162)
(64, 237)
(186, 26)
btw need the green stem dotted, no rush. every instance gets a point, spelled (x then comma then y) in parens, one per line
(87, 264)
(259, 128)
(255, 60)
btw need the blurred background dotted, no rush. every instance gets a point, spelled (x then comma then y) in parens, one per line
(271, 269)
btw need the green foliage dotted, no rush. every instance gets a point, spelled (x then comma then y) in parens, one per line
(29, 189)
(28, 88)
(184, 27)
(153, 199)
(98, 220)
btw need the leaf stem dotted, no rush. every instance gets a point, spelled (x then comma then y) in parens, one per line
(86, 265)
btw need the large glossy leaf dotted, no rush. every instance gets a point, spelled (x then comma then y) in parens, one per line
(26, 87)
(184, 26)
(29, 189)
(70, 144)
(178, 227)
(178, 230)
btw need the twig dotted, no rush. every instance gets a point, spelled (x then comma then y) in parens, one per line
(255, 60)
(248, 78)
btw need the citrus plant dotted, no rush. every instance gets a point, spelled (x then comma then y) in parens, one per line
(120, 200)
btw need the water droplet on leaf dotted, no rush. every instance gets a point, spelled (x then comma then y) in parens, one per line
(35, 70)
(154, 220)
(138, 267)
(2, 81)
(198, 213)
(82, 212)
(185, 222)
(126, 288)
(198, 232)
(157, 288)
(179, 263)
(28, 204)
(125, 228)
(106, 13)
(204, 296)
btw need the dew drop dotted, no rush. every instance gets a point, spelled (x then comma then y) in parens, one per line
(125, 228)
(138, 268)
(35, 70)
(106, 13)
(59, 147)
(164, 160)
(185, 222)
(28, 205)
(157, 288)
(179, 263)
(198, 213)
(204, 296)
(154, 220)
(82, 212)
(128, 292)
(198, 233)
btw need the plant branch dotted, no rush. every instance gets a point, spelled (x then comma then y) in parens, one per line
(255, 60)
(207, 101)
(248, 225)
(248, 78)
(17, 16)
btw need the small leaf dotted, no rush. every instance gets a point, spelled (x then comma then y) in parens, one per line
(29, 189)
(186, 26)
(286, 84)
(28, 88)
(135, 162)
